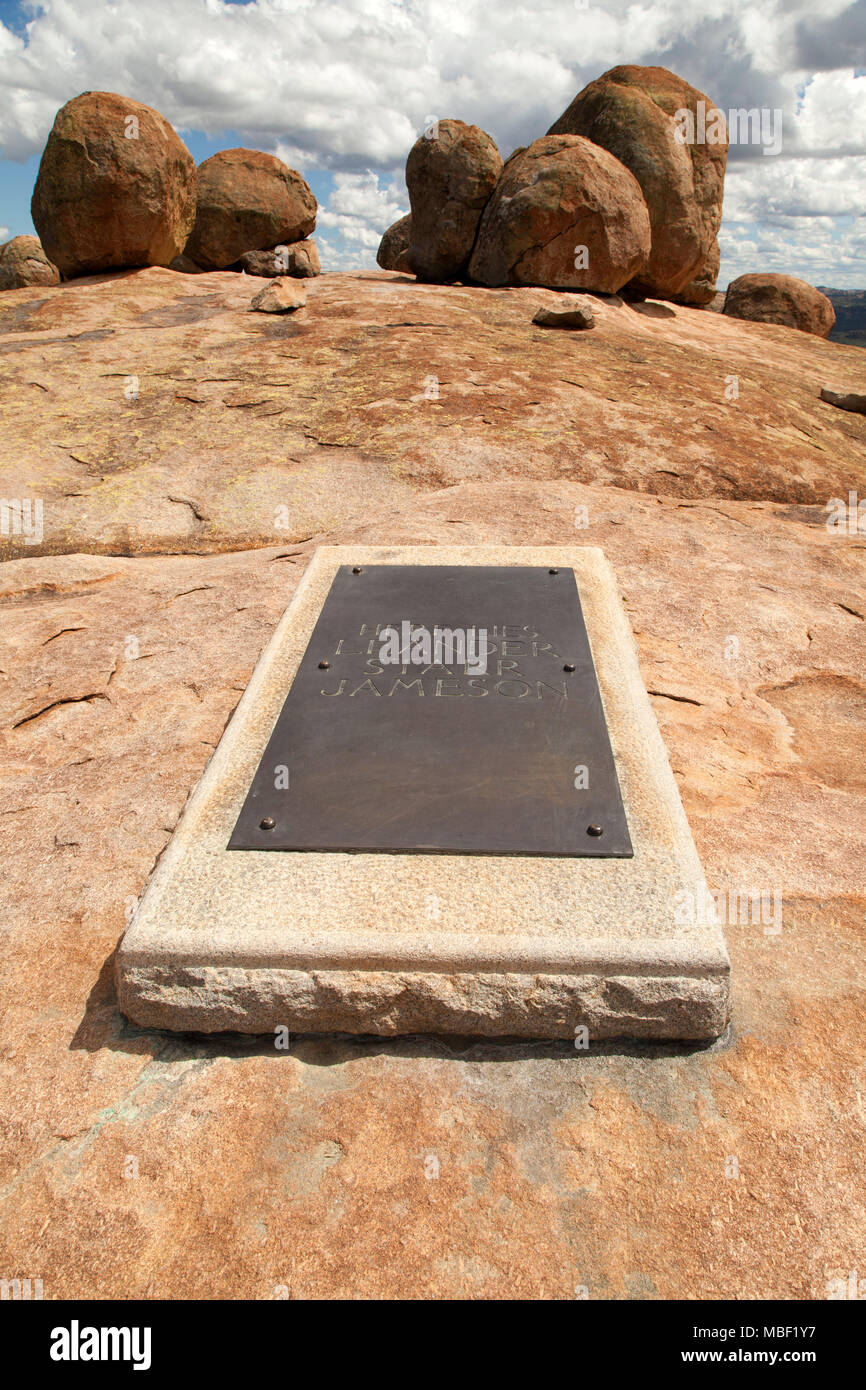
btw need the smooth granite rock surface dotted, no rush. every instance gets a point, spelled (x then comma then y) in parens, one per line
(158, 416)
(138, 1164)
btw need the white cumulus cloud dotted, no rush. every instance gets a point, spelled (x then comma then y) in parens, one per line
(359, 209)
(345, 86)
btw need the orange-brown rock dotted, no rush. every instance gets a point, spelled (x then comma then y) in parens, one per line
(394, 245)
(634, 113)
(247, 201)
(701, 291)
(115, 188)
(137, 1165)
(845, 400)
(573, 311)
(450, 174)
(300, 260)
(23, 263)
(565, 214)
(281, 296)
(185, 266)
(157, 414)
(780, 299)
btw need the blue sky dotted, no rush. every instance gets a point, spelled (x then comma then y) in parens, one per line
(341, 91)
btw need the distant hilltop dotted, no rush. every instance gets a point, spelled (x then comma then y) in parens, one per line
(850, 306)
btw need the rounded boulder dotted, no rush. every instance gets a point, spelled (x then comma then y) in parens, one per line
(23, 263)
(247, 201)
(394, 245)
(115, 188)
(565, 214)
(300, 260)
(674, 141)
(450, 174)
(780, 299)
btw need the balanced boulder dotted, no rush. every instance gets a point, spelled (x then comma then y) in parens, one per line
(300, 260)
(674, 141)
(23, 263)
(247, 201)
(116, 187)
(394, 245)
(450, 175)
(565, 214)
(780, 299)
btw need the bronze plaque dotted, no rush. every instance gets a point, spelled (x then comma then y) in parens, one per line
(442, 708)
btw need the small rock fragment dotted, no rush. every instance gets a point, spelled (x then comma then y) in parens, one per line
(185, 265)
(701, 289)
(845, 400)
(300, 260)
(279, 297)
(569, 314)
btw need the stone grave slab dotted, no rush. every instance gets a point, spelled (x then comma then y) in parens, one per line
(400, 834)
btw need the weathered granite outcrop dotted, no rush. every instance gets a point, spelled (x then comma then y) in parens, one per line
(156, 414)
(218, 1168)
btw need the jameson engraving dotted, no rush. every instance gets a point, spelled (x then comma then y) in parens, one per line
(392, 738)
(444, 663)
(444, 646)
